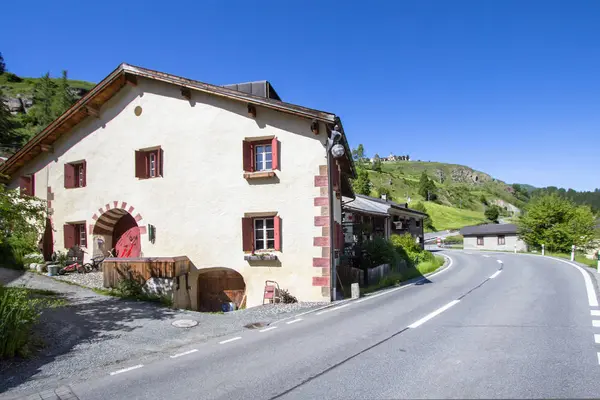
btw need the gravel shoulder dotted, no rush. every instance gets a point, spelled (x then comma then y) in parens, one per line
(95, 334)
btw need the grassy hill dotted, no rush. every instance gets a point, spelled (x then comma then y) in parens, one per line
(13, 86)
(463, 193)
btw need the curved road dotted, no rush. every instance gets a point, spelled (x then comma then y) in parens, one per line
(479, 329)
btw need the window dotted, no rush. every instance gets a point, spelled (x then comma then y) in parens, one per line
(261, 233)
(75, 235)
(149, 163)
(264, 233)
(501, 240)
(479, 240)
(261, 155)
(27, 185)
(75, 174)
(417, 223)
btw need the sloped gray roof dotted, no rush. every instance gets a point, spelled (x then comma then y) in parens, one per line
(257, 88)
(373, 205)
(489, 229)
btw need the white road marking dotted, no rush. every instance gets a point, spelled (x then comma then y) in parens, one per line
(499, 261)
(406, 286)
(294, 321)
(495, 274)
(268, 329)
(591, 293)
(185, 353)
(596, 323)
(597, 338)
(595, 313)
(467, 252)
(598, 358)
(127, 369)
(333, 309)
(486, 256)
(230, 340)
(433, 314)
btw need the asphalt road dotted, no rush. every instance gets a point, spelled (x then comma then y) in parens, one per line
(479, 329)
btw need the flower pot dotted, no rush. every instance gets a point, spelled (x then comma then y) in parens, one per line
(53, 270)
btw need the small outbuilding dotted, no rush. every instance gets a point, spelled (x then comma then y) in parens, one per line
(492, 237)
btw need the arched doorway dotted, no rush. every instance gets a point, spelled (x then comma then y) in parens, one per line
(219, 286)
(119, 230)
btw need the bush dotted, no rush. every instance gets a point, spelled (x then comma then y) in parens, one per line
(378, 251)
(10, 77)
(18, 313)
(456, 239)
(406, 247)
(286, 297)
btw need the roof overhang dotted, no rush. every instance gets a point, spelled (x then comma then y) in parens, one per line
(127, 74)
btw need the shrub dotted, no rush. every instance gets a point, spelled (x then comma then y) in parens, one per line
(378, 251)
(10, 77)
(456, 239)
(18, 313)
(286, 297)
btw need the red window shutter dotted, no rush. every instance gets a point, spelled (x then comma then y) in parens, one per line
(277, 226)
(160, 158)
(275, 153)
(84, 168)
(25, 186)
(247, 234)
(69, 176)
(248, 156)
(141, 168)
(69, 235)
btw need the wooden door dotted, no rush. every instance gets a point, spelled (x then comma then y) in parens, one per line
(128, 245)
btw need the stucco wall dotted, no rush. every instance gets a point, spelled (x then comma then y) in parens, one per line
(491, 243)
(198, 205)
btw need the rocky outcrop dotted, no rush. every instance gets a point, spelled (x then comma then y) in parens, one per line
(23, 102)
(467, 175)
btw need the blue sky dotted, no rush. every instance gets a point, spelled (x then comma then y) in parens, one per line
(511, 88)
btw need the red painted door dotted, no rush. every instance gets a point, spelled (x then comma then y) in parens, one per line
(128, 245)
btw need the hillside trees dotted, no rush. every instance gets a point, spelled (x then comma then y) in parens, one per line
(2, 65)
(427, 223)
(7, 125)
(556, 222)
(362, 183)
(492, 213)
(427, 188)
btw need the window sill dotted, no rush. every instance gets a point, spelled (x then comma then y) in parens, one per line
(259, 175)
(260, 257)
(150, 177)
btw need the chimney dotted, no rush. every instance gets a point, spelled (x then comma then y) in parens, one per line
(384, 197)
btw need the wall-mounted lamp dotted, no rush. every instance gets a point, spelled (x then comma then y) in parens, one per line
(151, 233)
(251, 111)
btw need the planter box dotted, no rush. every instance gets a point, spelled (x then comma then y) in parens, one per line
(262, 257)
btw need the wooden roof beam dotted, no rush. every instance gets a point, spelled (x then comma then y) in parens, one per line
(187, 93)
(46, 148)
(94, 112)
(130, 80)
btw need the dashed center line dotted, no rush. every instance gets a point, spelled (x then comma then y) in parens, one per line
(433, 314)
(495, 274)
(499, 261)
(595, 313)
(597, 338)
(268, 329)
(596, 323)
(486, 256)
(230, 340)
(332, 309)
(127, 369)
(294, 321)
(598, 358)
(185, 353)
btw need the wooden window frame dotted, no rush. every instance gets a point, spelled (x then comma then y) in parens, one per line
(480, 240)
(249, 164)
(250, 243)
(27, 185)
(75, 234)
(75, 174)
(149, 163)
(255, 147)
(501, 240)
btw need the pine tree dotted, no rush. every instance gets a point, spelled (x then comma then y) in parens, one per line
(64, 97)
(2, 65)
(362, 183)
(43, 98)
(7, 128)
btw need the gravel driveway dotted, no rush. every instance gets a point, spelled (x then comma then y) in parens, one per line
(94, 334)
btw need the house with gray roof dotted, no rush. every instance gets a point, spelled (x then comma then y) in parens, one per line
(492, 237)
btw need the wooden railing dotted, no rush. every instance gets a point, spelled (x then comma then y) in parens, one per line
(144, 268)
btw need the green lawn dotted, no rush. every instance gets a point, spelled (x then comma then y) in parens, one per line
(444, 217)
(578, 257)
